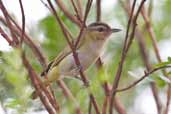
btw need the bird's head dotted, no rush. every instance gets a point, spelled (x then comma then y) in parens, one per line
(100, 30)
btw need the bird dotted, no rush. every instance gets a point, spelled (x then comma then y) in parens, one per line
(88, 50)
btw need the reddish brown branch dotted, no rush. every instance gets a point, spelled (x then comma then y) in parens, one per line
(152, 34)
(40, 88)
(90, 107)
(15, 41)
(141, 42)
(23, 21)
(123, 56)
(5, 36)
(36, 84)
(83, 25)
(67, 13)
(127, 44)
(105, 104)
(119, 106)
(80, 8)
(166, 110)
(28, 40)
(144, 53)
(98, 10)
(156, 50)
(76, 11)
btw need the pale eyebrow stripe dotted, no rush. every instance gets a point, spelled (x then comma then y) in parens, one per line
(99, 24)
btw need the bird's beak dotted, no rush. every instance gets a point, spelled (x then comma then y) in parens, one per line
(115, 30)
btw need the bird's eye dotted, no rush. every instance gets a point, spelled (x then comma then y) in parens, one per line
(101, 29)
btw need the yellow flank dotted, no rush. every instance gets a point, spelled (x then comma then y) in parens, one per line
(52, 75)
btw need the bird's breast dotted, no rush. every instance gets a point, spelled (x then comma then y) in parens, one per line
(87, 55)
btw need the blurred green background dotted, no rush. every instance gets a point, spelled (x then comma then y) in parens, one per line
(16, 88)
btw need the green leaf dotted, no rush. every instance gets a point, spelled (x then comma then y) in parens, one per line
(162, 64)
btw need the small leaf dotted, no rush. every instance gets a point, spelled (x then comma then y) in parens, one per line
(160, 82)
(162, 64)
(102, 75)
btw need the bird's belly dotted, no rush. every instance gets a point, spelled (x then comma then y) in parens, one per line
(68, 66)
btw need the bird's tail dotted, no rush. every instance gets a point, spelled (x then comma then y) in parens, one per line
(45, 83)
(53, 75)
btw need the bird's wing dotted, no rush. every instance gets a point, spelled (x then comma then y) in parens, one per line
(67, 50)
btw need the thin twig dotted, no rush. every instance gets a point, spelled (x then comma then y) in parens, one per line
(152, 34)
(30, 43)
(67, 13)
(23, 21)
(28, 40)
(125, 50)
(36, 84)
(6, 16)
(156, 50)
(90, 107)
(52, 101)
(80, 9)
(98, 10)
(141, 42)
(76, 11)
(45, 5)
(88, 6)
(147, 74)
(166, 110)
(5, 36)
(123, 56)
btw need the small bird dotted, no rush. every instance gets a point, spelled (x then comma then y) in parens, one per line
(89, 49)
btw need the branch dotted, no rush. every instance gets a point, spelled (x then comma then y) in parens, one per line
(166, 110)
(143, 50)
(98, 10)
(123, 56)
(5, 36)
(36, 82)
(80, 9)
(125, 50)
(88, 6)
(67, 13)
(23, 21)
(76, 11)
(142, 78)
(37, 52)
(15, 41)
(119, 106)
(90, 107)
(156, 50)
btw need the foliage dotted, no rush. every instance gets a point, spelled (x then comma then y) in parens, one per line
(15, 86)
